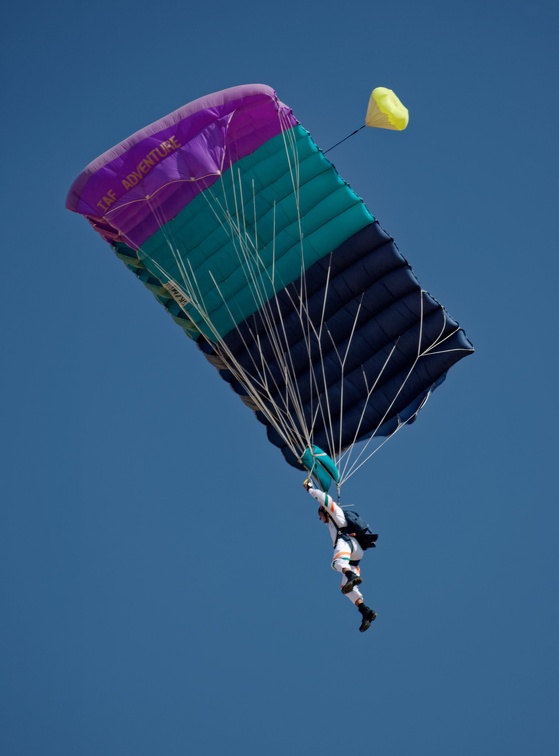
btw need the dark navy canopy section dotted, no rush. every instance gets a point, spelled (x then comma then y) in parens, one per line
(356, 347)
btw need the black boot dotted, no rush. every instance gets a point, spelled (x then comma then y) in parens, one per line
(368, 617)
(352, 581)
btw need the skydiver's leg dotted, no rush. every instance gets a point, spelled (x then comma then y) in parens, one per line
(342, 555)
(368, 616)
(354, 595)
(344, 551)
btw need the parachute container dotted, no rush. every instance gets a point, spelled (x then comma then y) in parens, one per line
(319, 464)
(233, 218)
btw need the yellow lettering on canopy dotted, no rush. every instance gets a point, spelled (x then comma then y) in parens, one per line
(150, 160)
(107, 200)
(145, 165)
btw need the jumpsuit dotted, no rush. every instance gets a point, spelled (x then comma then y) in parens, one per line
(347, 552)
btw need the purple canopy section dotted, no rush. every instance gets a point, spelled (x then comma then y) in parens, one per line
(132, 189)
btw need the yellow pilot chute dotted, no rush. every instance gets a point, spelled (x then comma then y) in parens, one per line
(385, 111)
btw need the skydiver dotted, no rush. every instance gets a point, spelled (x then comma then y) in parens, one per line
(347, 552)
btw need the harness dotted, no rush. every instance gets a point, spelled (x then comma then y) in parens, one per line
(355, 528)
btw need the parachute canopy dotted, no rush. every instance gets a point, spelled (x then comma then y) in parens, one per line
(231, 216)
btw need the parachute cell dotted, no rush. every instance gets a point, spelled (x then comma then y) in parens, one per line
(243, 230)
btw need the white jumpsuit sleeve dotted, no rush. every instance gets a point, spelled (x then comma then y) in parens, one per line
(328, 503)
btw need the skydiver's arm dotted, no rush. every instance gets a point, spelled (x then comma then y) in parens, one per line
(329, 505)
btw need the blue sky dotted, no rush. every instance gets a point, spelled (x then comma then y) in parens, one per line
(130, 623)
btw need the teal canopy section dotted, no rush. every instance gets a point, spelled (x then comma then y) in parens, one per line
(270, 217)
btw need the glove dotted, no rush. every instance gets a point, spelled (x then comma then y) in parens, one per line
(307, 484)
